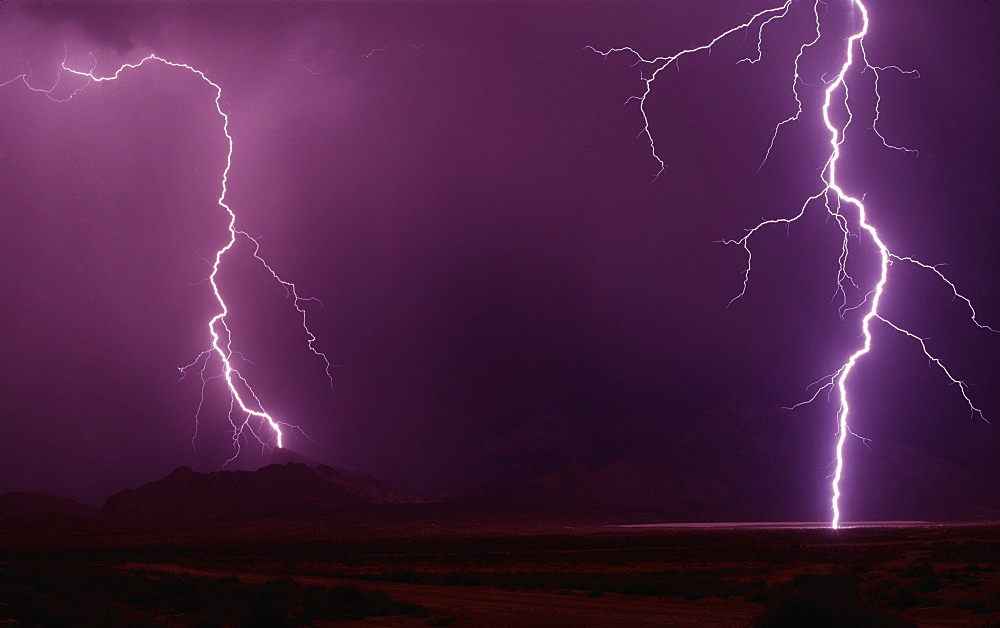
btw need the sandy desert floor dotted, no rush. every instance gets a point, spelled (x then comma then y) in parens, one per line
(540, 575)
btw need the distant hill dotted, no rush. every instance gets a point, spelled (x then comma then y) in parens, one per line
(24, 507)
(271, 491)
(739, 462)
(366, 486)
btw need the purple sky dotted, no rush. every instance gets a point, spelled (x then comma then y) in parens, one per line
(461, 186)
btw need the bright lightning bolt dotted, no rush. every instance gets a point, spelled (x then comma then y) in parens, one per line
(243, 400)
(845, 209)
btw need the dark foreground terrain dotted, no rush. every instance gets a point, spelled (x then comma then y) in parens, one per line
(496, 570)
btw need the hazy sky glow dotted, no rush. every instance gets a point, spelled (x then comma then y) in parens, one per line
(462, 187)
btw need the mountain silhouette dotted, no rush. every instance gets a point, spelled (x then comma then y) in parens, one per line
(271, 491)
(30, 507)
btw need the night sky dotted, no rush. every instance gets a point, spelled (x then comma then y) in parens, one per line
(462, 187)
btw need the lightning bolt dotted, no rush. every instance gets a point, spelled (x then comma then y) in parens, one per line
(849, 212)
(246, 408)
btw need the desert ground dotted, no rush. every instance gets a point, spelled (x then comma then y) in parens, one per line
(494, 571)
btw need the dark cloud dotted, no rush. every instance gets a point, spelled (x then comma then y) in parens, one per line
(112, 25)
